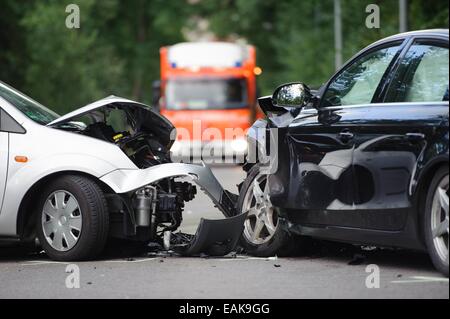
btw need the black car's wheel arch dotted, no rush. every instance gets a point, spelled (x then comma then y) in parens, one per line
(26, 226)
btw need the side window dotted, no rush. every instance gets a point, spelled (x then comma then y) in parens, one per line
(358, 83)
(423, 75)
(8, 124)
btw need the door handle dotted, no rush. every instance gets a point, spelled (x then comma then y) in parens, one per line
(415, 136)
(346, 136)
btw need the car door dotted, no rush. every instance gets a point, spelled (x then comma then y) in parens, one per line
(392, 136)
(320, 142)
(4, 146)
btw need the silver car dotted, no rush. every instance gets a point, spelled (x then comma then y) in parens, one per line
(101, 171)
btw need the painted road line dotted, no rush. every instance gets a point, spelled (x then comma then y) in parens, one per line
(132, 261)
(420, 279)
(38, 263)
(246, 258)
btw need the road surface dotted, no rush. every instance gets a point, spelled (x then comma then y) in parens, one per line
(329, 271)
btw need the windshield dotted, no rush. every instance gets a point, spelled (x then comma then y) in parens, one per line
(27, 106)
(204, 94)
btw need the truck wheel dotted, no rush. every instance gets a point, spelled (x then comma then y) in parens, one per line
(436, 220)
(73, 219)
(263, 235)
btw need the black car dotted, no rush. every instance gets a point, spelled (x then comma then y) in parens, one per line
(364, 159)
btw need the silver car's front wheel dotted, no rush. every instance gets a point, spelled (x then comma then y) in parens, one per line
(73, 221)
(62, 220)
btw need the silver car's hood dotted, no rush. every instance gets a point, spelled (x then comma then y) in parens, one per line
(147, 119)
(99, 104)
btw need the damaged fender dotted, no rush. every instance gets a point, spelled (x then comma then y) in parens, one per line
(214, 237)
(125, 181)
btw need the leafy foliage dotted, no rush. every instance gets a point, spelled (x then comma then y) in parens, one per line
(116, 50)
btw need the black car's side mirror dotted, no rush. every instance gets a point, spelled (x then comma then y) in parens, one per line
(295, 95)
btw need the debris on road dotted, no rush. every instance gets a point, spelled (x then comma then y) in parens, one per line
(358, 259)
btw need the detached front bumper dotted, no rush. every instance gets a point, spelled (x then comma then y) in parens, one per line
(126, 181)
(214, 237)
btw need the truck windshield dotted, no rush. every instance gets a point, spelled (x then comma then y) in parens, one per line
(204, 94)
(27, 106)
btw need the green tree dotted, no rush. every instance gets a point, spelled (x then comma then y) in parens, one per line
(69, 67)
(116, 51)
(295, 39)
(13, 53)
(138, 30)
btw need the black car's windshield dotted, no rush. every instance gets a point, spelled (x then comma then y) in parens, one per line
(27, 106)
(204, 94)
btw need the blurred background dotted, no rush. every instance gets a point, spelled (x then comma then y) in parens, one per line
(116, 51)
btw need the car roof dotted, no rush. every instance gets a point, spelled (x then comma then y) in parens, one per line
(421, 33)
(431, 33)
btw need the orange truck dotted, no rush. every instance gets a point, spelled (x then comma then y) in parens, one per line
(208, 91)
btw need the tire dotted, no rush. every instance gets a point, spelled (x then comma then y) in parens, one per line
(436, 214)
(79, 230)
(280, 242)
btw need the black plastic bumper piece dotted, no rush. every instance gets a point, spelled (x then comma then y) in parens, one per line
(215, 237)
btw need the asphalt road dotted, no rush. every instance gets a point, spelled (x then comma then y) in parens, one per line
(328, 271)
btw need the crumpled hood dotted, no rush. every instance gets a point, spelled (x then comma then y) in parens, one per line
(147, 119)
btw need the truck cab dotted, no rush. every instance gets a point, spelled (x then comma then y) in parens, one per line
(208, 91)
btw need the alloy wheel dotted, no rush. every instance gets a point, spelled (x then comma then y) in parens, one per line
(262, 220)
(439, 219)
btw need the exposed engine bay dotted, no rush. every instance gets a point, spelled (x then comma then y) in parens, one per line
(154, 211)
(142, 142)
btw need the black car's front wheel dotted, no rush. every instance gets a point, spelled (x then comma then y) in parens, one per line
(73, 219)
(436, 220)
(263, 234)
